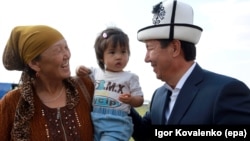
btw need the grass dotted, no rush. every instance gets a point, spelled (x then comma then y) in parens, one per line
(141, 110)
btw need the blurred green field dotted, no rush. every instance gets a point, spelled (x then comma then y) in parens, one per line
(141, 110)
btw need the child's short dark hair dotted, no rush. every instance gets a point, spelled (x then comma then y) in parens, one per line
(112, 36)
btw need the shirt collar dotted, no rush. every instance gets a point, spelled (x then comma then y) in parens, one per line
(183, 79)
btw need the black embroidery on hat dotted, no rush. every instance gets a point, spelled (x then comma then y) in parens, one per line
(159, 13)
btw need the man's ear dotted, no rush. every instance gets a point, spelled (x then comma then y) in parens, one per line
(34, 65)
(176, 47)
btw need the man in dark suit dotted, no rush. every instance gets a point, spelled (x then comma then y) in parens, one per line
(191, 95)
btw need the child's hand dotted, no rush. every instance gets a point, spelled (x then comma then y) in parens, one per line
(134, 101)
(82, 71)
(125, 98)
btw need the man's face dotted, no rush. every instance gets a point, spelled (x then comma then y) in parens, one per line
(160, 58)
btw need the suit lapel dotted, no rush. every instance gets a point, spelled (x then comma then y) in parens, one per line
(186, 96)
(182, 104)
(158, 102)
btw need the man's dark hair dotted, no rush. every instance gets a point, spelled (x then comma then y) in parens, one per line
(188, 48)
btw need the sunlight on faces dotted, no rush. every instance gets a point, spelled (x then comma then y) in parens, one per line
(213, 38)
(54, 61)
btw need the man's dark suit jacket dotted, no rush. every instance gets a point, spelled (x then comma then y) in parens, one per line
(206, 98)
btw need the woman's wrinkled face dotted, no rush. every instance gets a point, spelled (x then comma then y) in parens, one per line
(54, 62)
(160, 58)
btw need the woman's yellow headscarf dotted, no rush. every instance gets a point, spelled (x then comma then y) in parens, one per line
(26, 43)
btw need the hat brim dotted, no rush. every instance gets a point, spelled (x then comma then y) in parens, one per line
(184, 32)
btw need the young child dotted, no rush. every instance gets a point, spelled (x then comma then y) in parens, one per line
(116, 90)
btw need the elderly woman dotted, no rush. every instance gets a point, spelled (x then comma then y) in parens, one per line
(49, 104)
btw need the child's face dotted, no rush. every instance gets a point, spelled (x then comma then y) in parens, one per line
(116, 59)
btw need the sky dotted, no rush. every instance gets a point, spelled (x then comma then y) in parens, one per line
(224, 46)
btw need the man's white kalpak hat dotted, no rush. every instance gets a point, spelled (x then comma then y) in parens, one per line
(171, 20)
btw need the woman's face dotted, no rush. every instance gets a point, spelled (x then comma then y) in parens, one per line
(54, 62)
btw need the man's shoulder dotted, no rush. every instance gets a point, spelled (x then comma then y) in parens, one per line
(219, 76)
